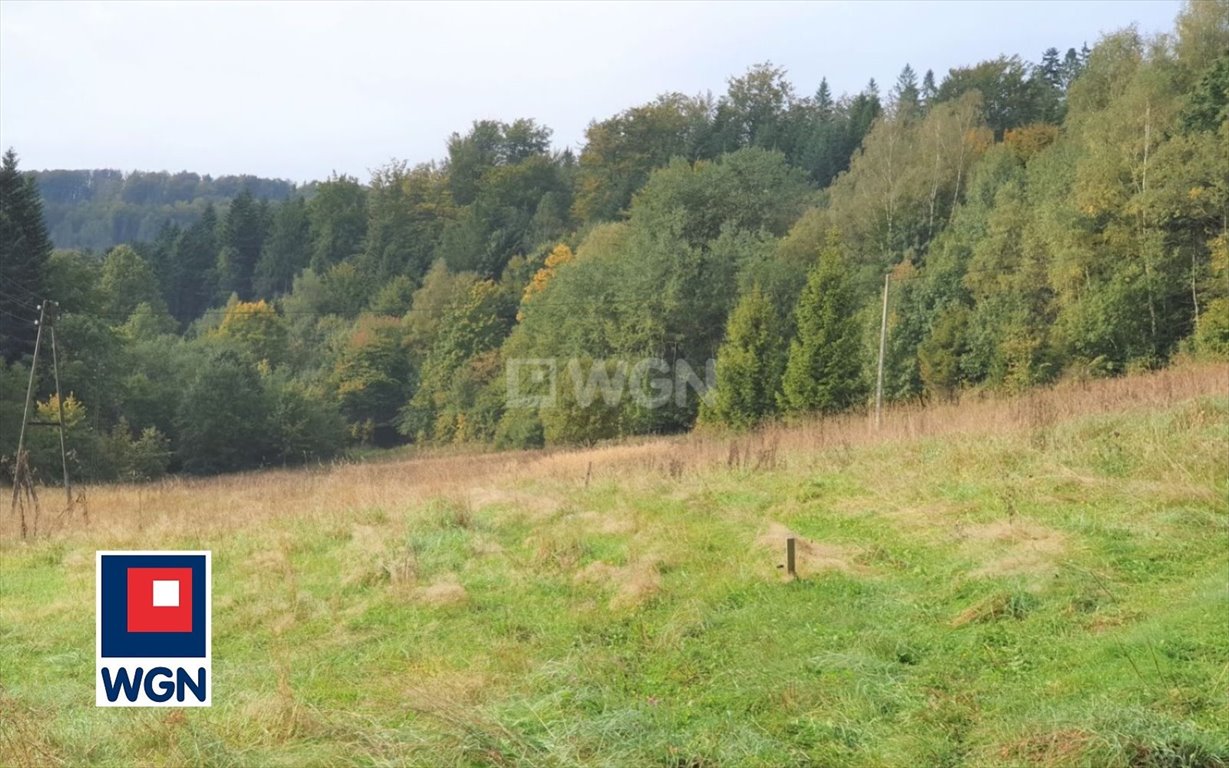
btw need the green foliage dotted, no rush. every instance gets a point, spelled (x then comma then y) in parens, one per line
(304, 423)
(136, 458)
(337, 216)
(395, 298)
(408, 209)
(473, 324)
(751, 189)
(243, 233)
(586, 408)
(905, 183)
(99, 209)
(755, 110)
(621, 152)
(152, 384)
(126, 281)
(940, 354)
(517, 207)
(1010, 97)
(148, 322)
(256, 327)
(519, 429)
(824, 370)
(25, 249)
(1208, 105)
(188, 282)
(286, 250)
(440, 293)
(222, 420)
(372, 376)
(1062, 218)
(749, 363)
(490, 144)
(73, 279)
(1212, 331)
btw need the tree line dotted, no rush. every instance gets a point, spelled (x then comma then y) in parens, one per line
(1036, 220)
(98, 209)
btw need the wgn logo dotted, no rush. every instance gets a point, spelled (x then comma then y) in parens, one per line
(153, 629)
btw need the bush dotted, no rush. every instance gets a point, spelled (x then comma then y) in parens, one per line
(1212, 333)
(304, 425)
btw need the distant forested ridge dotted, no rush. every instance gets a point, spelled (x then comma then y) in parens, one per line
(1035, 220)
(98, 209)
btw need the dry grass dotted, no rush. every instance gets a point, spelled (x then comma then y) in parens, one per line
(196, 508)
(1024, 586)
(1015, 547)
(633, 584)
(445, 591)
(812, 556)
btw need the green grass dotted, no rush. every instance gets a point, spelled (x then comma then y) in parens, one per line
(1059, 597)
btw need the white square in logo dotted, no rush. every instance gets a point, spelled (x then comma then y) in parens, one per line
(166, 594)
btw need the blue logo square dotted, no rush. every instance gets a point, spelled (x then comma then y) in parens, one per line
(117, 641)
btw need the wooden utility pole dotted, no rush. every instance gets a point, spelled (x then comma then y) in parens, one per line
(883, 338)
(59, 401)
(22, 478)
(21, 468)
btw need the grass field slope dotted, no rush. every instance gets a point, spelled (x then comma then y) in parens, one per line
(1039, 581)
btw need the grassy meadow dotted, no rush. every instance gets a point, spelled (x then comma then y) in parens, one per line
(1041, 581)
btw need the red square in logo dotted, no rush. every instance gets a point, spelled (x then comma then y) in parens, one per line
(159, 599)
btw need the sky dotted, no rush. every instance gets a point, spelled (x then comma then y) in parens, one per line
(298, 90)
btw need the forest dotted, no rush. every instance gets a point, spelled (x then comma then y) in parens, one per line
(98, 209)
(1036, 221)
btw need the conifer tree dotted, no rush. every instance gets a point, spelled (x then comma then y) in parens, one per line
(242, 236)
(191, 268)
(905, 93)
(286, 249)
(749, 363)
(929, 90)
(824, 370)
(25, 248)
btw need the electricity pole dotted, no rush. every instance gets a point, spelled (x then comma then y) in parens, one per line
(21, 472)
(883, 337)
(59, 401)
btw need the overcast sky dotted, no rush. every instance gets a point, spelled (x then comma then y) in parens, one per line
(298, 89)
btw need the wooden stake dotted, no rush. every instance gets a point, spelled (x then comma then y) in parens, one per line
(790, 566)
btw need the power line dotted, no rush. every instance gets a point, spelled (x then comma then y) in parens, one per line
(31, 296)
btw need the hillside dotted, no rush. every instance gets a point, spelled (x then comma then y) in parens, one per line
(1004, 224)
(1031, 581)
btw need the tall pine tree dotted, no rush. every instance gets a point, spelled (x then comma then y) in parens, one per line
(286, 249)
(25, 248)
(243, 235)
(191, 273)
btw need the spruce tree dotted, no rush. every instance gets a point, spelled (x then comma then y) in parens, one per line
(929, 90)
(905, 95)
(824, 370)
(191, 278)
(285, 251)
(243, 235)
(25, 248)
(749, 363)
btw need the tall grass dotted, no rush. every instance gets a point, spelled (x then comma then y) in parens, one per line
(197, 507)
(1032, 581)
